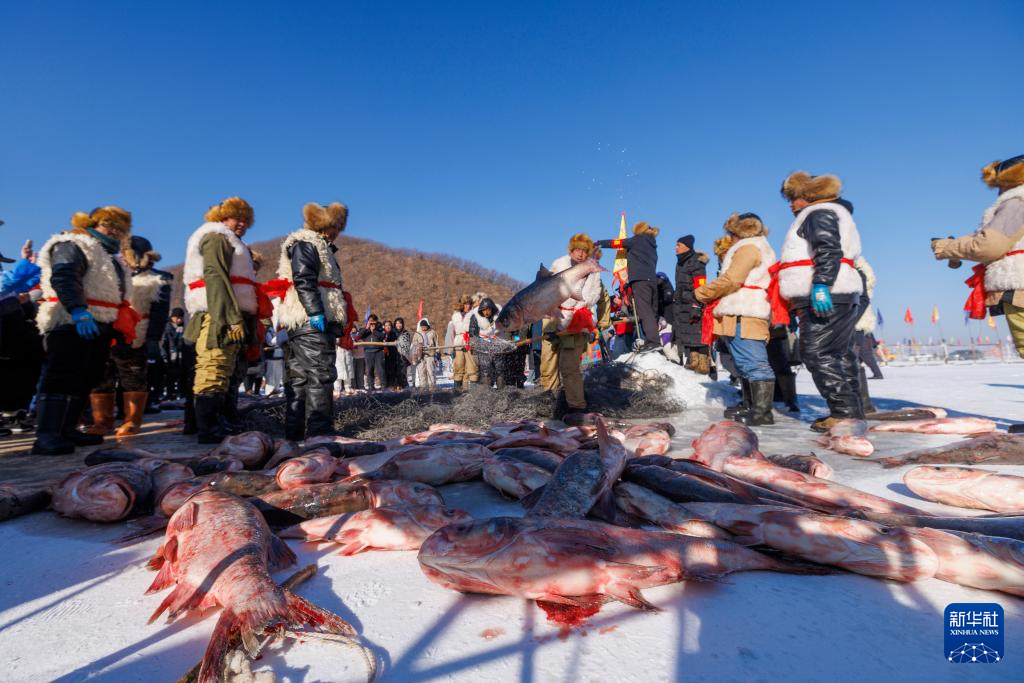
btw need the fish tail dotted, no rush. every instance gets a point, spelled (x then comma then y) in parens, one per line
(173, 601)
(163, 579)
(302, 611)
(211, 669)
(351, 542)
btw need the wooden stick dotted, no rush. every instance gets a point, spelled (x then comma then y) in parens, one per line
(366, 343)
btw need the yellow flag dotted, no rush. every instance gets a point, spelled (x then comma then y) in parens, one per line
(619, 269)
(935, 314)
(990, 321)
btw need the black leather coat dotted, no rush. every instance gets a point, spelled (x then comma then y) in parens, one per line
(686, 310)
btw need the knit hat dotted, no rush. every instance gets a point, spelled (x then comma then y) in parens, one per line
(687, 240)
(1004, 174)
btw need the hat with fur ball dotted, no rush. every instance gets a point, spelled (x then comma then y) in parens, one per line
(1004, 175)
(232, 207)
(745, 225)
(319, 218)
(811, 188)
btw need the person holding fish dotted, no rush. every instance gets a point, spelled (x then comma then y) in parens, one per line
(998, 246)
(566, 336)
(737, 300)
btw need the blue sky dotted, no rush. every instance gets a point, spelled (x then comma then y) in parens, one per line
(493, 131)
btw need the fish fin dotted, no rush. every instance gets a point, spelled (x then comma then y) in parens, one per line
(351, 542)
(163, 579)
(165, 553)
(142, 527)
(185, 518)
(302, 611)
(630, 595)
(170, 601)
(543, 271)
(531, 498)
(605, 507)
(279, 555)
(571, 541)
(212, 667)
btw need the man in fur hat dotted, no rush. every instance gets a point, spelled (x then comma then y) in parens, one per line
(220, 296)
(819, 278)
(999, 246)
(128, 363)
(464, 367)
(738, 299)
(85, 304)
(686, 310)
(642, 265)
(313, 311)
(567, 336)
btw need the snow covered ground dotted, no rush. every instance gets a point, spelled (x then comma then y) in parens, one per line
(72, 606)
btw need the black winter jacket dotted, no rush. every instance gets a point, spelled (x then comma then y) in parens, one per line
(686, 310)
(160, 310)
(641, 256)
(306, 276)
(68, 266)
(376, 335)
(821, 230)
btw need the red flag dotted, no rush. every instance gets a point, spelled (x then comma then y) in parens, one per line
(419, 313)
(908, 317)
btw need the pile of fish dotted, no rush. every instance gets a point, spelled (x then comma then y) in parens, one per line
(610, 509)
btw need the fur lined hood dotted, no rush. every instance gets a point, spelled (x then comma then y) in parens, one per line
(645, 228)
(744, 225)
(232, 207)
(812, 188)
(1004, 175)
(113, 216)
(320, 218)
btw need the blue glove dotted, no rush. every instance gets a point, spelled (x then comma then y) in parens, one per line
(318, 323)
(821, 300)
(85, 325)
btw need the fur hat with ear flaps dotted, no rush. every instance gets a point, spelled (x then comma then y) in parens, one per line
(138, 252)
(1004, 175)
(113, 216)
(812, 188)
(232, 207)
(645, 228)
(319, 218)
(745, 225)
(581, 240)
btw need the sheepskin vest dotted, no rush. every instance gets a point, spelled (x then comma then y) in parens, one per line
(1005, 274)
(242, 273)
(460, 322)
(291, 313)
(485, 326)
(100, 283)
(750, 300)
(795, 281)
(868, 321)
(145, 292)
(591, 292)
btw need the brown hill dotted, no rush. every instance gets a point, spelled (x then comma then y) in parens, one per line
(393, 281)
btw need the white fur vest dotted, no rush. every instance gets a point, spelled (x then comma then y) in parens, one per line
(290, 312)
(145, 292)
(591, 292)
(868, 321)
(242, 273)
(100, 283)
(460, 322)
(795, 282)
(1005, 274)
(486, 327)
(751, 300)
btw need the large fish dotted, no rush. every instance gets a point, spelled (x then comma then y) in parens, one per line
(252, 448)
(514, 477)
(16, 501)
(907, 414)
(647, 439)
(434, 465)
(361, 464)
(966, 487)
(967, 426)
(856, 545)
(458, 432)
(545, 295)
(546, 460)
(104, 493)
(813, 491)
(997, 448)
(243, 484)
(283, 450)
(723, 440)
(572, 489)
(500, 429)
(218, 551)
(988, 562)
(744, 489)
(1007, 526)
(314, 467)
(682, 488)
(211, 464)
(117, 454)
(547, 439)
(643, 503)
(808, 464)
(320, 500)
(395, 528)
(577, 562)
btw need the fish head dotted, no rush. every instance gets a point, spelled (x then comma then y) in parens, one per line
(393, 493)
(941, 475)
(511, 317)
(437, 516)
(470, 540)
(176, 494)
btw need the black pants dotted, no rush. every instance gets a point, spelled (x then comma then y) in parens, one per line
(867, 354)
(491, 370)
(359, 367)
(309, 383)
(826, 348)
(21, 361)
(375, 370)
(778, 356)
(645, 300)
(126, 368)
(156, 376)
(172, 376)
(74, 365)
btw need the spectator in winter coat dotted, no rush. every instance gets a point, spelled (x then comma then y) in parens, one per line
(481, 324)
(171, 344)
(374, 355)
(742, 313)
(405, 374)
(665, 296)
(818, 278)
(686, 310)
(21, 347)
(641, 264)
(424, 342)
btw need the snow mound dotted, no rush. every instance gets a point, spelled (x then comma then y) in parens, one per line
(689, 387)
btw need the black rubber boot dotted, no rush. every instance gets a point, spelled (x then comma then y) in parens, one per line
(743, 406)
(208, 408)
(787, 385)
(294, 413)
(51, 410)
(188, 427)
(865, 397)
(760, 413)
(230, 420)
(70, 429)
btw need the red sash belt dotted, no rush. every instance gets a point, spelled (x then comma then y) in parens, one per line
(127, 317)
(975, 304)
(235, 280)
(809, 262)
